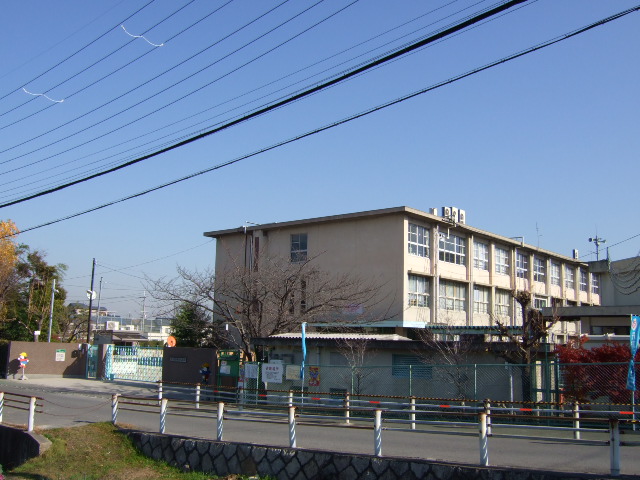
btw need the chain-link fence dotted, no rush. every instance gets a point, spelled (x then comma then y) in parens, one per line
(539, 382)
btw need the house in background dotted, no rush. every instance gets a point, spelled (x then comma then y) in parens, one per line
(610, 322)
(438, 270)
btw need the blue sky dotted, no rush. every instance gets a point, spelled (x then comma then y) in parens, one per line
(544, 146)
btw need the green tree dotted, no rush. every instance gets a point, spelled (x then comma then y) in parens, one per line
(192, 327)
(28, 297)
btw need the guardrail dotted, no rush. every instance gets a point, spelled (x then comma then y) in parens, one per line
(291, 410)
(21, 402)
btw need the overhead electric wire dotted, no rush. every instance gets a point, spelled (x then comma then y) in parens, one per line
(43, 171)
(352, 73)
(136, 88)
(351, 118)
(96, 62)
(79, 50)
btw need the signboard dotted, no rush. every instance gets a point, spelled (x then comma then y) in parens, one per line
(314, 376)
(292, 372)
(272, 372)
(61, 355)
(251, 370)
(225, 368)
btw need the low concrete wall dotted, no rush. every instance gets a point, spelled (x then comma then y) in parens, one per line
(225, 458)
(18, 446)
(54, 359)
(183, 364)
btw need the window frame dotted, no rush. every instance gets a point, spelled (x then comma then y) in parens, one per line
(480, 256)
(555, 273)
(522, 265)
(299, 254)
(503, 309)
(583, 280)
(452, 249)
(454, 300)
(539, 269)
(413, 240)
(595, 283)
(501, 256)
(481, 305)
(569, 277)
(416, 294)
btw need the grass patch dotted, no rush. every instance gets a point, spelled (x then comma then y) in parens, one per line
(98, 451)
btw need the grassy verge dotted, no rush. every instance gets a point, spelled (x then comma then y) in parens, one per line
(98, 452)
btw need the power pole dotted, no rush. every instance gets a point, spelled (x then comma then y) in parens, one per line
(93, 271)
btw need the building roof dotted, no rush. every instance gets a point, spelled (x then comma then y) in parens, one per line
(411, 212)
(344, 336)
(572, 313)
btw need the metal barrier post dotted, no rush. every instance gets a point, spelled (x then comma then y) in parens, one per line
(413, 413)
(347, 404)
(291, 398)
(614, 446)
(32, 411)
(163, 414)
(377, 433)
(484, 443)
(114, 408)
(220, 420)
(487, 410)
(1, 405)
(576, 422)
(198, 396)
(292, 427)
(159, 390)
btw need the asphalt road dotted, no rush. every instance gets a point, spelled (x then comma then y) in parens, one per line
(78, 402)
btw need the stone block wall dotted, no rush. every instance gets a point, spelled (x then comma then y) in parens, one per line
(225, 458)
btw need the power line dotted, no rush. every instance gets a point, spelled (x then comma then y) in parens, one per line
(351, 118)
(352, 73)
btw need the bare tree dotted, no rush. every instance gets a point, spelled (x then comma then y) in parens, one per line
(276, 296)
(524, 345)
(354, 349)
(449, 350)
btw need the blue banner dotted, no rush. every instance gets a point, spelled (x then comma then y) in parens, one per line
(304, 349)
(634, 337)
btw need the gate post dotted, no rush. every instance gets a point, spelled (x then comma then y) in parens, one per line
(1, 405)
(292, 427)
(198, 395)
(614, 446)
(347, 404)
(576, 421)
(413, 413)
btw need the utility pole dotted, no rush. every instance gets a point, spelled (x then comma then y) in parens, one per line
(53, 294)
(91, 293)
(98, 309)
(598, 241)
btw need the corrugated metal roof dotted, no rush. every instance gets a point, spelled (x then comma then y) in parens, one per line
(344, 336)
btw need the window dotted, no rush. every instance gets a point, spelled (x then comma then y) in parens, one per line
(299, 247)
(503, 302)
(502, 261)
(522, 265)
(539, 303)
(569, 277)
(595, 283)
(418, 240)
(539, 269)
(481, 297)
(480, 256)
(419, 291)
(453, 296)
(452, 249)
(555, 273)
(583, 280)
(405, 366)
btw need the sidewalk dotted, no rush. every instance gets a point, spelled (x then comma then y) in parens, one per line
(90, 387)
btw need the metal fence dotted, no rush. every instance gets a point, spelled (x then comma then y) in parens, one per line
(133, 363)
(539, 382)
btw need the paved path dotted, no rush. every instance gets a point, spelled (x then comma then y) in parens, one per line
(70, 402)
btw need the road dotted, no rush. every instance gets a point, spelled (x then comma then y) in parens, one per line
(82, 402)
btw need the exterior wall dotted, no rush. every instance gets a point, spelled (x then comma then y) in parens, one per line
(374, 245)
(43, 360)
(619, 282)
(183, 364)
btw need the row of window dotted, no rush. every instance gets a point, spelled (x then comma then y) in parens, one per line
(452, 249)
(453, 296)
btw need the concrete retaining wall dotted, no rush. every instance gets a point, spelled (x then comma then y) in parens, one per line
(57, 359)
(18, 446)
(225, 458)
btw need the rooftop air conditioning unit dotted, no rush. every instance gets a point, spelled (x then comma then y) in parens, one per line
(446, 212)
(576, 255)
(433, 211)
(454, 214)
(462, 216)
(112, 325)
